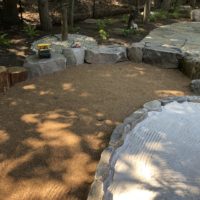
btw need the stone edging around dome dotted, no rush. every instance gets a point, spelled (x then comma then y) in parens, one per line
(104, 172)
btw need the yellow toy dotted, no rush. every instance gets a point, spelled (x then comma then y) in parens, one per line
(44, 50)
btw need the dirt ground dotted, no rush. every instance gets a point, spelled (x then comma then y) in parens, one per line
(53, 129)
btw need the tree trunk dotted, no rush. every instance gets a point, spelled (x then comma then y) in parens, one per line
(4, 81)
(193, 3)
(10, 12)
(64, 20)
(157, 4)
(45, 19)
(72, 14)
(147, 9)
(166, 4)
(17, 75)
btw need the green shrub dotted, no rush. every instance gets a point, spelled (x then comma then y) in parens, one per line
(74, 29)
(128, 32)
(175, 13)
(4, 41)
(101, 24)
(125, 19)
(103, 34)
(158, 15)
(30, 30)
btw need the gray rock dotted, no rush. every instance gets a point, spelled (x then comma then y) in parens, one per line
(117, 136)
(167, 100)
(191, 66)
(96, 191)
(153, 105)
(135, 52)
(103, 166)
(74, 56)
(195, 15)
(90, 21)
(194, 99)
(195, 86)
(161, 56)
(136, 117)
(185, 10)
(39, 67)
(106, 54)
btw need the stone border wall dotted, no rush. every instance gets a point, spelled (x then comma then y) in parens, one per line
(104, 171)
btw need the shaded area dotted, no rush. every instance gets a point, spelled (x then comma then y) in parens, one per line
(54, 128)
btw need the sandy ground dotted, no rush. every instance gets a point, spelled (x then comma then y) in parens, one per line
(53, 129)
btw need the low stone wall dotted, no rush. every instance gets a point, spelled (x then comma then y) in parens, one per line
(104, 172)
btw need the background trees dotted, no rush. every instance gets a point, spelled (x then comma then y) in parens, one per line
(45, 19)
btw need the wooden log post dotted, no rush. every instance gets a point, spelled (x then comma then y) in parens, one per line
(17, 75)
(4, 79)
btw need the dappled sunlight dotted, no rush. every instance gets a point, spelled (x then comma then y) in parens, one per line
(68, 87)
(34, 189)
(95, 141)
(84, 94)
(31, 118)
(29, 87)
(166, 93)
(136, 192)
(3, 136)
(54, 128)
(80, 162)
(48, 92)
(56, 133)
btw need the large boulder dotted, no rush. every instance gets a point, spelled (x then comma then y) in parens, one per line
(39, 67)
(135, 52)
(195, 15)
(162, 56)
(195, 86)
(74, 56)
(191, 66)
(106, 54)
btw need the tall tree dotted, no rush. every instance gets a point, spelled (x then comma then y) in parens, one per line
(45, 19)
(147, 10)
(64, 19)
(166, 4)
(10, 12)
(193, 3)
(72, 13)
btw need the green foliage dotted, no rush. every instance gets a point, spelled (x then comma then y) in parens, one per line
(128, 32)
(175, 14)
(74, 29)
(4, 41)
(162, 15)
(101, 24)
(30, 30)
(158, 15)
(103, 34)
(125, 19)
(108, 21)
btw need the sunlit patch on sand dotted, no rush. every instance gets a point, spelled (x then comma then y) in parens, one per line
(165, 93)
(57, 133)
(68, 87)
(30, 118)
(29, 87)
(3, 136)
